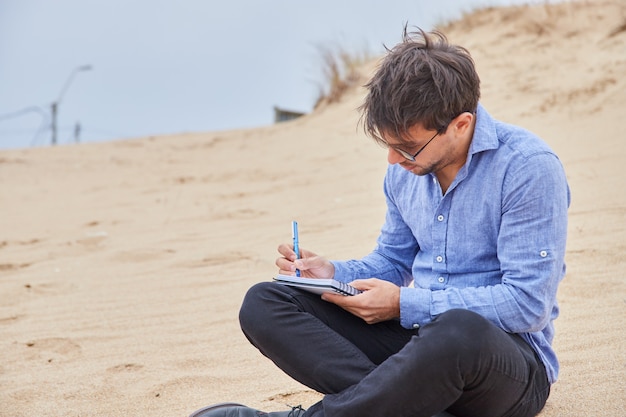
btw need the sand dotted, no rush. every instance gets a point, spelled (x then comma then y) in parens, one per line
(123, 264)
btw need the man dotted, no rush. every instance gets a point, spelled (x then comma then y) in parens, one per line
(476, 222)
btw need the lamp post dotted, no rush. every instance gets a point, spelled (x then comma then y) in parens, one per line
(54, 107)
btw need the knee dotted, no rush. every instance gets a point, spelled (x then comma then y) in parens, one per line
(461, 330)
(459, 317)
(252, 313)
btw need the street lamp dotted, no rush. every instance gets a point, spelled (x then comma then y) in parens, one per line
(55, 105)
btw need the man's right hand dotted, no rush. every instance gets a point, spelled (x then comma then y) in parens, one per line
(310, 264)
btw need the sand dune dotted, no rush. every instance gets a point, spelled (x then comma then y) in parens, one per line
(123, 264)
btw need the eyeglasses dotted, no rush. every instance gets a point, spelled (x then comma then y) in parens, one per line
(410, 157)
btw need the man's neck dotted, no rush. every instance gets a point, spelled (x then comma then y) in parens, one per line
(447, 174)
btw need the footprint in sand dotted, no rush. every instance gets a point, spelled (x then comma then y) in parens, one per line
(239, 214)
(179, 386)
(219, 260)
(50, 288)
(9, 319)
(93, 239)
(124, 374)
(142, 255)
(16, 266)
(53, 349)
(296, 397)
(13, 266)
(125, 367)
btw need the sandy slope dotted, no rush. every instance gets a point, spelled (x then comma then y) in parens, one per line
(122, 265)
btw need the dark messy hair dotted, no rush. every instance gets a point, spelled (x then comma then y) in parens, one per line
(424, 79)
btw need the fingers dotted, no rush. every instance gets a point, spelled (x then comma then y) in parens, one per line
(364, 284)
(314, 264)
(285, 263)
(287, 251)
(285, 266)
(310, 264)
(288, 267)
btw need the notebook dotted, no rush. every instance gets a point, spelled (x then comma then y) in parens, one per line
(317, 285)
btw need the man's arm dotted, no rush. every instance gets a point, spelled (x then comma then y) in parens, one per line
(530, 249)
(392, 259)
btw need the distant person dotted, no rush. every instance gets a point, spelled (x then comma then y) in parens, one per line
(476, 222)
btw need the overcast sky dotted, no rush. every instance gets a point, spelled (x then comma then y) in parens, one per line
(160, 67)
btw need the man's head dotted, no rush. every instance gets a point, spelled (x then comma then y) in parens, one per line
(421, 81)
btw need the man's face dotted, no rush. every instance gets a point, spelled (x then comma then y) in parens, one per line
(414, 153)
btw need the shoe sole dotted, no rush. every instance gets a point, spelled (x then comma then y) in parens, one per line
(198, 413)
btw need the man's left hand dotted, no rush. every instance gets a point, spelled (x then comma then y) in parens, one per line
(379, 301)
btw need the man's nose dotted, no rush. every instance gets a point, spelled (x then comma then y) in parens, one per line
(394, 157)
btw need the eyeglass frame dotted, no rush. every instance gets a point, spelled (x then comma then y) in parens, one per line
(410, 157)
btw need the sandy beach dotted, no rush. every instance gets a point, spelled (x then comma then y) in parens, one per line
(123, 264)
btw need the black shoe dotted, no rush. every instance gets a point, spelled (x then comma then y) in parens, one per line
(240, 410)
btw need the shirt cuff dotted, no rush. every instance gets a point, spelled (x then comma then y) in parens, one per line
(343, 273)
(414, 307)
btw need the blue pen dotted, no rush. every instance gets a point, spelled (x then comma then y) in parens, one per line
(296, 243)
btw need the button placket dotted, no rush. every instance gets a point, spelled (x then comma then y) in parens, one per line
(439, 228)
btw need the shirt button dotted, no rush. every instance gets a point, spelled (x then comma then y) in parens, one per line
(439, 258)
(440, 217)
(543, 253)
(441, 279)
(416, 326)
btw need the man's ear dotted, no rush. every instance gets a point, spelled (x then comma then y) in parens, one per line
(462, 123)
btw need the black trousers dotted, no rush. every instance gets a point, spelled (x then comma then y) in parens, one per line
(460, 362)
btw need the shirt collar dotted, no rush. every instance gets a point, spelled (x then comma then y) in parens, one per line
(485, 136)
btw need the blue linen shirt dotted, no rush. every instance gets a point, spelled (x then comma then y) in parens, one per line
(494, 243)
